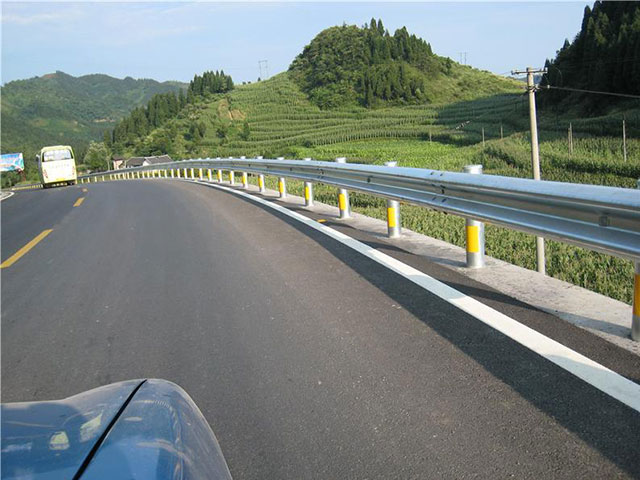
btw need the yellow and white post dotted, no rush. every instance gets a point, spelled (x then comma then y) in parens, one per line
(474, 231)
(282, 184)
(219, 175)
(343, 197)
(308, 190)
(193, 173)
(261, 185)
(209, 175)
(393, 213)
(200, 174)
(173, 173)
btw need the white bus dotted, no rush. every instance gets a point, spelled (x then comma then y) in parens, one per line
(57, 165)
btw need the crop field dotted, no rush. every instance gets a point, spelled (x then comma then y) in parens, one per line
(282, 122)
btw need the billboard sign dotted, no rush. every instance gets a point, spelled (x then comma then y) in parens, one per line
(10, 162)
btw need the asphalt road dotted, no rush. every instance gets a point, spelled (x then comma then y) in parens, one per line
(308, 359)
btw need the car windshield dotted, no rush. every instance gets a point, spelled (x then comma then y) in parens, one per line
(61, 154)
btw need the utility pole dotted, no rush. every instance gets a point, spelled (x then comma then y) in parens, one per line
(624, 139)
(570, 139)
(535, 156)
(264, 63)
(463, 55)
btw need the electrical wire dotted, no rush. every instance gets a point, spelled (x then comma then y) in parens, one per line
(625, 95)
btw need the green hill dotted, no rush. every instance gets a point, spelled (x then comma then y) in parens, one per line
(59, 108)
(348, 65)
(604, 56)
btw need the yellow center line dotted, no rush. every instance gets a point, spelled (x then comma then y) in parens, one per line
(79, 202)
(16, 256)
(321, 220)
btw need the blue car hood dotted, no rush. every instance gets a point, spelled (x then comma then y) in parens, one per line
(51, 440)
(139, 429)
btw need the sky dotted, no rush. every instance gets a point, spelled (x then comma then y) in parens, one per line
(174, 41)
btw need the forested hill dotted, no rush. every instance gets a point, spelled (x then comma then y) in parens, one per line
(161, 108)
(60, 108)
(604, 56)
(368, 66)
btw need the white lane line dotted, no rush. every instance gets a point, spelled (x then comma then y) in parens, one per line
(599, 376)
(6, 195)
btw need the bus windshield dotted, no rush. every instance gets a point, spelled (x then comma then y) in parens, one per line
(52, 155)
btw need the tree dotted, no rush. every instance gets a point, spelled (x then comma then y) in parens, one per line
(246, 131)
(107, 140)
(98, 157)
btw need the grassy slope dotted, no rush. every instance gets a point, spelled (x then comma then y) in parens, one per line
(283, 122)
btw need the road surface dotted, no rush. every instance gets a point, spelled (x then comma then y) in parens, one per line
(308, 359)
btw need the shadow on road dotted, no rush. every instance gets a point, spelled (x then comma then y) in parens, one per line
(602, 422)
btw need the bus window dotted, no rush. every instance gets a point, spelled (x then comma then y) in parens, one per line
(53, 155)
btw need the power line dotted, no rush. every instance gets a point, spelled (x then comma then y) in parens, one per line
(625, 95)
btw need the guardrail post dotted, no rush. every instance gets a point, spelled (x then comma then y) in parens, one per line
(200, 174)
(394, 228)
(635, 320)
(245, 178)
(232, 175)
(209, 175)
(193, 173)
(474, 232)
(282, 184)
(261, 185)
(103, 178)
(219, 175)
(308, 191)
(172, 173)
(343, 197)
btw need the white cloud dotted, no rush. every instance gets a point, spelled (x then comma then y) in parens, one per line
(18, 19)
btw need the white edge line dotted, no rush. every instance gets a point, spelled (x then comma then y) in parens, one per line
(598, 376)
(9, 195)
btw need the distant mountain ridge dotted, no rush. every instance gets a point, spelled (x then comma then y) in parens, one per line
(60, 108)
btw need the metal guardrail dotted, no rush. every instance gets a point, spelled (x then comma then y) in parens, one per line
(604, 219)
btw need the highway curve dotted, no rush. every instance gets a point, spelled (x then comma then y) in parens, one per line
(308, 359)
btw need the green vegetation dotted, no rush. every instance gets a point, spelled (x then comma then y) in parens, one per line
(161, 108)
(367, 66)
(62, 109)
(604, 56)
